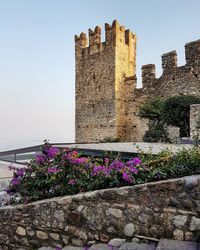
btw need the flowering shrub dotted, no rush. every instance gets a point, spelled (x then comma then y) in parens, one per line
(57, 172)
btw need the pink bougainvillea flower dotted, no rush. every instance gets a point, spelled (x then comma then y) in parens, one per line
(72, 182)
(52, 152)
(136, 161)
(74, 154)
(81, 160)
(126, 177)
(15, 181)
(40, 159)
(100, 170)
(53, 170)
(106, 160)
(20, 172)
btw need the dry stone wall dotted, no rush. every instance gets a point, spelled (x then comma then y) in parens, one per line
(107, 100)
(169, 209)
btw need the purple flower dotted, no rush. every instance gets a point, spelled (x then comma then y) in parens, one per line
(100, 170)
(116, 165)
(72, 182)
(53, 170)
(11, 167)
(136, 161)
(7, 190)
(78, 161)
(106, 160)
(20, 172)
(58, 248)
(126, 177)
(15, 181)
(134, 170)
(40, 159)
(52, 152)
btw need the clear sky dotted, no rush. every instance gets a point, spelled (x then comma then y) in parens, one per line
(37, 56)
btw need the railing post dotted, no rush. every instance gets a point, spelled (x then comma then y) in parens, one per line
(15, 157)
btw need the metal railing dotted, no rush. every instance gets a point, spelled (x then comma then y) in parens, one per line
(20, 155)
(24, 155)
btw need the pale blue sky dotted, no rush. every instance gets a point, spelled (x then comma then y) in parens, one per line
(37, 56)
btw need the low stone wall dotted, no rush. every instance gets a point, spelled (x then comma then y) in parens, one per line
(168, 209)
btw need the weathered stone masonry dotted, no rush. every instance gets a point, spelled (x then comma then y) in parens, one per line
(100, 72)
(169, 209)
(107, 100)
(195, 121)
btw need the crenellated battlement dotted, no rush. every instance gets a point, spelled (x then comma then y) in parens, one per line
(81, 41)
(107, 99)
(148, 73)
(95, 36)
(169, 62)
(115, 35)
(192, 52)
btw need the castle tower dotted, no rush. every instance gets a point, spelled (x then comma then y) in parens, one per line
(101, 92)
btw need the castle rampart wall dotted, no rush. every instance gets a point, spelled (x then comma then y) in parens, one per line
(107, 100)
(175, 80)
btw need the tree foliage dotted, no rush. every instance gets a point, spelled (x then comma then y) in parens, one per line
(157, 132)
(174, 111)
(152, 109)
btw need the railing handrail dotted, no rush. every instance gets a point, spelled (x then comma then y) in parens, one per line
(37, 148)
(28, 149)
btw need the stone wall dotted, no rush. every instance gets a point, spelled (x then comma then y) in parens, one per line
(169, 209)
(195, 121)
(107, 100)
(183, 80)
(101, 68)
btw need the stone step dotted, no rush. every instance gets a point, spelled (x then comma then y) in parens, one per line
(137, 246)
(165, 244)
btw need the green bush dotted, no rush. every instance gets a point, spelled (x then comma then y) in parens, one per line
(157, 132)
(152, 109)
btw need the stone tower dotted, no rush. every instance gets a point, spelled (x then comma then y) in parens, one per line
(105, 81)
